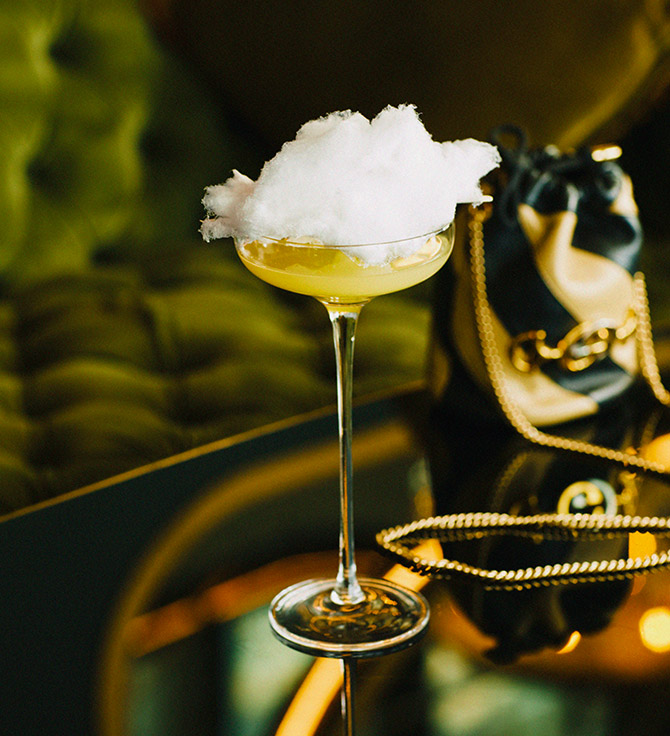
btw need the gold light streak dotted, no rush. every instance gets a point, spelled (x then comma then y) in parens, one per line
(225, 601)
(571, 643)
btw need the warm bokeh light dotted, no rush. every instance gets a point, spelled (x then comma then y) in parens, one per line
(641, 544)
(655, 629)
(571, 643)
(606, 153)
(658, 450)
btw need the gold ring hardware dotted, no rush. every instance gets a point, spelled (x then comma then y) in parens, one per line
(583, 345)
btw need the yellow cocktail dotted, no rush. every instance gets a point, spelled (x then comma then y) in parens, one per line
(346, 179)
(338, 274)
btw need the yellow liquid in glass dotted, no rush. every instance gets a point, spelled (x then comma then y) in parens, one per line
(330, 275)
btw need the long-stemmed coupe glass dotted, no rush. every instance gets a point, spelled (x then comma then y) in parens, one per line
(347, 616)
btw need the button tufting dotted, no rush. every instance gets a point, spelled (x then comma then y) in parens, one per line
(46, 176)
(71, 49)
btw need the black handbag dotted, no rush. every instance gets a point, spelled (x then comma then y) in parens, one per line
(544, 314)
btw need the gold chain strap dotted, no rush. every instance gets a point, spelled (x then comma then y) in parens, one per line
(399, 542)
(493, 362)
(645, 342)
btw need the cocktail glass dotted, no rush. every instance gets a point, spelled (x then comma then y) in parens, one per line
(347, 616)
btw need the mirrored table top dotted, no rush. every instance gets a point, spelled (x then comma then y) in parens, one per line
(146, 607)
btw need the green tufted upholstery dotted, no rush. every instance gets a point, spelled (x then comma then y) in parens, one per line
(76, 86)
(123, 337)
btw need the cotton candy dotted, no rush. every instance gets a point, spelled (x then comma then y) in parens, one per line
(347, 180)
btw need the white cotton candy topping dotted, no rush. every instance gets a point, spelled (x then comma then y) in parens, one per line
(346, 180)
(227, 201)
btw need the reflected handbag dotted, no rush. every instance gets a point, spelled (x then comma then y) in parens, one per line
(530, 517)
(522, 480)
(537, 544)
(544, 309)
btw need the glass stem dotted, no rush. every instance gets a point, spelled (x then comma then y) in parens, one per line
(348, 696)
(344, 320)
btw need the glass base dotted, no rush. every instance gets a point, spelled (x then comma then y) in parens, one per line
(390, 618)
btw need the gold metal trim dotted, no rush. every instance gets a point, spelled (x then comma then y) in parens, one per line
(581, 347)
